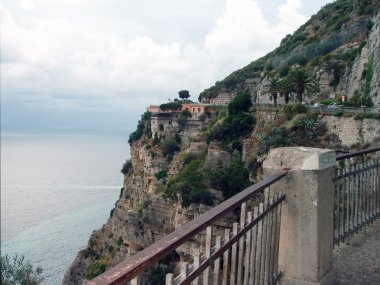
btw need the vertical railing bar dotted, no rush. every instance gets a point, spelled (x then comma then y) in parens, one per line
(264, 240)
(233, 256)
(268, 244)
(366, 193)
(343, 210)
(354, 186)
(347, 195)
(226, 258)
(371, 189)
(247, 252)
(337, 205)
(253, 248)
(136, 280)
(352, 201)
(258, 248)
(206, 272)
(364, 196)
(218, 243)
(273, 242)
(169, 279)
(196, 265)
(277, 242)
(243, 214)
(184, 270)
(378, 185)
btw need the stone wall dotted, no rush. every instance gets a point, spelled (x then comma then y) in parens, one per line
(351, 131)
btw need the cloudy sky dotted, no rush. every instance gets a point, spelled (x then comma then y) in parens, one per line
(98, 64)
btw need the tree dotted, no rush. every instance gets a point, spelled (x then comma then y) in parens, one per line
(18, 271)
(272, 88)
(301, 81)
(285, 88)
(171, 106)
(184, 94)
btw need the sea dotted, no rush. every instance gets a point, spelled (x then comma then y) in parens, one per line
(57, 187)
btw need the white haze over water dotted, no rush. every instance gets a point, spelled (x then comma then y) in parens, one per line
(56, 188)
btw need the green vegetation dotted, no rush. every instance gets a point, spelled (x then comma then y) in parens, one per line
(237, 125)
(308, 46)
(191, 184)
(161, 175)
(231, 180)
(183, 94)
(127, 167)
(293, 109)
(303, 129)
(368, 79)
(143, 126)
(120, 241)
(171, 106)
(168, 147)
(144, 205)
(18, 271)
(97, 267)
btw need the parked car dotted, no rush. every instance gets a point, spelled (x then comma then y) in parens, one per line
(333, 106)
(316, 106)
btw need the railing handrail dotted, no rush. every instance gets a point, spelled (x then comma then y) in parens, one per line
(356, 153)
(133, 265)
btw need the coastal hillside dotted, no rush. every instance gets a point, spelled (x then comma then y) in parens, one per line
(338, 45)
(187, 157)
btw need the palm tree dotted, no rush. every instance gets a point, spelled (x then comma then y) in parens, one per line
(285, 88)
(272, 88)
(301, 81)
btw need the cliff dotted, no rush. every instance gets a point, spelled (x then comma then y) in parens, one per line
(183, 172)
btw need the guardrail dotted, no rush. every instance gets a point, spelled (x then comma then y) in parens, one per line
(357, 193)
(323, 109)
(253, 241)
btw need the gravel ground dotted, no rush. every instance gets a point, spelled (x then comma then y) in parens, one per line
(359, 262)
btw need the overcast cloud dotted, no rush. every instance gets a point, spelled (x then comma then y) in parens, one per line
(73, 63)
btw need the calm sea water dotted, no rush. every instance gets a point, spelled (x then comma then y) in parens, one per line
(56, 188)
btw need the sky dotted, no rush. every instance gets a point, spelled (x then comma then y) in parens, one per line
(96, 64)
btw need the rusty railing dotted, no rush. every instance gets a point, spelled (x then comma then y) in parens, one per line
(357, 193)
(247, 252)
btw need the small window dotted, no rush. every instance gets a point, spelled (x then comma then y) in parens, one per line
(199, 109)
(170, 122)
(187, 109)
(193, 109)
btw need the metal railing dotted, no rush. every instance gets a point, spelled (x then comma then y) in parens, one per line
(357, 193)
(248, 254)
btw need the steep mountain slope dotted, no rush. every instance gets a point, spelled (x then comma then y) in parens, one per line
(339, 45)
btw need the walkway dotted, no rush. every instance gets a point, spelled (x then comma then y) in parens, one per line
(359, 262)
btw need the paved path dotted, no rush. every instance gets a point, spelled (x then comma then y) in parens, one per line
(359, 262)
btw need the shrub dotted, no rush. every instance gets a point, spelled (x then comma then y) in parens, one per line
(293, 109)
(189, 157)
(96, 268)
(161, 175)
(120, 241)
(172, 106)
(231, 180)
(240, 103)
(202, 117)
(190, 184)
(127, 167)
(17, 270)
(186, 113)
(168, 147)
(143, 124)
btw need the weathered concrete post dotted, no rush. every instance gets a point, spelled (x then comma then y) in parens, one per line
(306, 235)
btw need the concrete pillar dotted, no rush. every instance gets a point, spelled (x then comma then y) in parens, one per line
(306, 235)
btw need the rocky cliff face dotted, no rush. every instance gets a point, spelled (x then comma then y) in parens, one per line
(143, 214)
